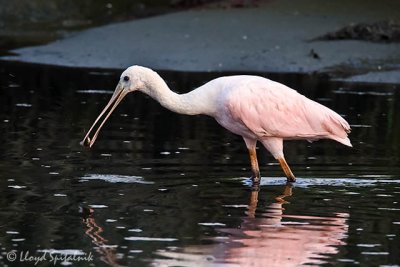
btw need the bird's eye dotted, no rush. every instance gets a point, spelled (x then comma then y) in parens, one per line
(126, 78)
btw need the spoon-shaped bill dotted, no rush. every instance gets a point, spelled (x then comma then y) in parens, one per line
(116, 98)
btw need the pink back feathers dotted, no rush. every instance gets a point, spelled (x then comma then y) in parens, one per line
(271, 109)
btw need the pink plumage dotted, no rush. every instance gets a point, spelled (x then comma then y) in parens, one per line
(270, 109)
(254, 107)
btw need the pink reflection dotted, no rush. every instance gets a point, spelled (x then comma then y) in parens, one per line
(270, 239)
(276, 239)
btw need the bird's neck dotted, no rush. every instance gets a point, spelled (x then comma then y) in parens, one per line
(189, 103)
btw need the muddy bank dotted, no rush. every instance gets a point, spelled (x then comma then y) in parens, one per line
(276, 36)
(35, 22)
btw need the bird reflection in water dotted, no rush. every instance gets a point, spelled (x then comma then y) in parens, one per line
(269, 238)
(94, 232)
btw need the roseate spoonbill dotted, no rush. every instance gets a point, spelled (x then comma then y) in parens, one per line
(253, 107)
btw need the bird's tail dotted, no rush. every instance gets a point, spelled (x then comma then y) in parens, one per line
(338, 127)
(344, 141)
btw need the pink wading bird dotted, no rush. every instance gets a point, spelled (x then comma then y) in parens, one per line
(253, 107)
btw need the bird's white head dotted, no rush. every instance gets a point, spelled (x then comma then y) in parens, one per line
(134, 78)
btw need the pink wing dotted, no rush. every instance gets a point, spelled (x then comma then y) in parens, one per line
(271, 109)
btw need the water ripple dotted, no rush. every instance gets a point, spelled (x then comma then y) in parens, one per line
(306, 182)
(143, 238)
(94, 91)
(115, 178)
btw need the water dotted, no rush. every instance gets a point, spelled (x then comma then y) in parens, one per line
(162, 189)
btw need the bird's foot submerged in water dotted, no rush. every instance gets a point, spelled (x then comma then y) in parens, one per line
(255, 182)
(290, 179)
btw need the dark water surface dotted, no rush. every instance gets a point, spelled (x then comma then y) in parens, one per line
(163, 189)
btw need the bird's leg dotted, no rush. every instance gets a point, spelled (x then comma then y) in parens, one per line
(286, 169)
(254, 167)
(251, 145)
(275, 146)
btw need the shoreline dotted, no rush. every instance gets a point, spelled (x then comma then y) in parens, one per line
(272, 38)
